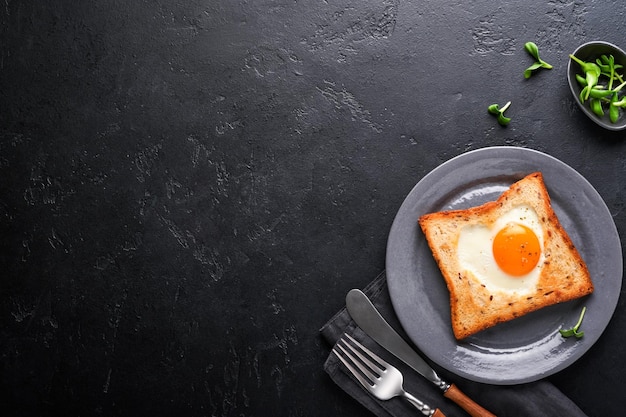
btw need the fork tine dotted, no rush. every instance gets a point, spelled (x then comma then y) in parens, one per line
(373, 376)
(374, 371)
(364, 381)
(363, 363)
(377, 358)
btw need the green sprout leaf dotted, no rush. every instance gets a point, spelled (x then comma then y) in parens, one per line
(499, 113)
(574, 330)
(599, 92)
(613, 109)
(581, 80)
(533, 50)
(596, 107)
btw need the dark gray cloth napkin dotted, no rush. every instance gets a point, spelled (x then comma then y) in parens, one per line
(539, 398)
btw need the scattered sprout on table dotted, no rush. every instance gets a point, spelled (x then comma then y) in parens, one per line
(499, 112)
(533, 50)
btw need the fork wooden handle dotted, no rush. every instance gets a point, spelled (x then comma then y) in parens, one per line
(466, 403)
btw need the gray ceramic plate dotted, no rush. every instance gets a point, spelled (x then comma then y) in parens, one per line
(527, 348)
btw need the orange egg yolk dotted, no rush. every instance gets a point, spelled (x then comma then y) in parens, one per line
(516, 249)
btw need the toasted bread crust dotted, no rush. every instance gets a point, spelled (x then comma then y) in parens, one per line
(474, 307)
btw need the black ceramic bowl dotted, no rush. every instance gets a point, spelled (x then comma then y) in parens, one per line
(589, 52)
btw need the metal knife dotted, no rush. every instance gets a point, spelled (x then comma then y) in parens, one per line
(371, 322)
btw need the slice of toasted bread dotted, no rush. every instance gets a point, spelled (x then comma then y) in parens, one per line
(476, 305)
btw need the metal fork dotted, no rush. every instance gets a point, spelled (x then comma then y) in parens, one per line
(377, 376)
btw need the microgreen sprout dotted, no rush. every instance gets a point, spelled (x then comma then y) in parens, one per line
(499, 112)
(533, 50)
(596, 107)
(597, 82)
(607, 65)
(574, 330)
(621, 103)
(613, 109)
(619, 87)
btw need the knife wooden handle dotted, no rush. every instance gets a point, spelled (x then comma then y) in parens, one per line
(438, 413)
(466, 403)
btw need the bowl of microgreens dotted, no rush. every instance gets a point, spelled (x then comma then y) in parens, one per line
(596, 74)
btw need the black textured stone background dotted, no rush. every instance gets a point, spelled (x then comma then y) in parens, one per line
(188, 189)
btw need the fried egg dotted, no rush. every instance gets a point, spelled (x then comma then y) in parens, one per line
(506, 255)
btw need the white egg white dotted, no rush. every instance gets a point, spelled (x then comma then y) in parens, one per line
(476, 254)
